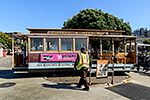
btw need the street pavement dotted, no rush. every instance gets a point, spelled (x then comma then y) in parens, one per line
(43, 87)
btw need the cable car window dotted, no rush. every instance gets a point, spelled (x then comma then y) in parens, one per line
(66, 44)
(80, 43)
(52, 44)
(36, 44)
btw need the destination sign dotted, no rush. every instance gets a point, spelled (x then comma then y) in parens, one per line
(72, 32)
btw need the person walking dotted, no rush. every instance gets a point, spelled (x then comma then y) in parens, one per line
(147, 59)
(139, 61)
(143, 60)
(82, 62)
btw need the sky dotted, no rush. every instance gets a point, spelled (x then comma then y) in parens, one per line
(17, 15)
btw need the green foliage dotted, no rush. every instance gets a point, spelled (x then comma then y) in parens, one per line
(106, 45)
(24, 43)
(6, 40)
(96, 19)
(146, 41)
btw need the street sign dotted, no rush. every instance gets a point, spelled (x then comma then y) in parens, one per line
(102, 68)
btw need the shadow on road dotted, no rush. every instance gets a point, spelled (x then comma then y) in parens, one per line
(8, 74)
(143, 73)
(59, 77)
(61, 86)
(74, 79)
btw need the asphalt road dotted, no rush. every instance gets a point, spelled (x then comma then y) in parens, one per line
(24, 86)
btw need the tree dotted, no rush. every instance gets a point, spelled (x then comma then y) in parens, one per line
(6, 40)
(146, 41)
(96, 19)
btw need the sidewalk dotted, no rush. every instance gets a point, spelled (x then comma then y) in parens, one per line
(140, 77)
(6, 56)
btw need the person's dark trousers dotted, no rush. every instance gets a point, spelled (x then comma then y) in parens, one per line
(83, 80)
(147, 66)
(144, 64)
(115, 59)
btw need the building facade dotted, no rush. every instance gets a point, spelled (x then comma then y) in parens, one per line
(148, 33)
(141, 33)
(1, 49)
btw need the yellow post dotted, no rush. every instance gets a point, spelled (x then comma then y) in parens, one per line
(29, 44)
(44, 44)
(113, 47)
(124, 42)
(119, 46)
(73, 44)
(59, 44)
(100, 48)
(135, 49)
(130, 45)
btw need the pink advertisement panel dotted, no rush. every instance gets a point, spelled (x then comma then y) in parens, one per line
(46, 57)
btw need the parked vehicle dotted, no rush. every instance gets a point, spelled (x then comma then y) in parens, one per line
(49, 50)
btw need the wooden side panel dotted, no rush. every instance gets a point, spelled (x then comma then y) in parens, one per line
(34, 57)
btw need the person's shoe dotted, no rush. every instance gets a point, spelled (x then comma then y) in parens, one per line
(86, 89)
(143, 70)
(78, 86)
(146, 71)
